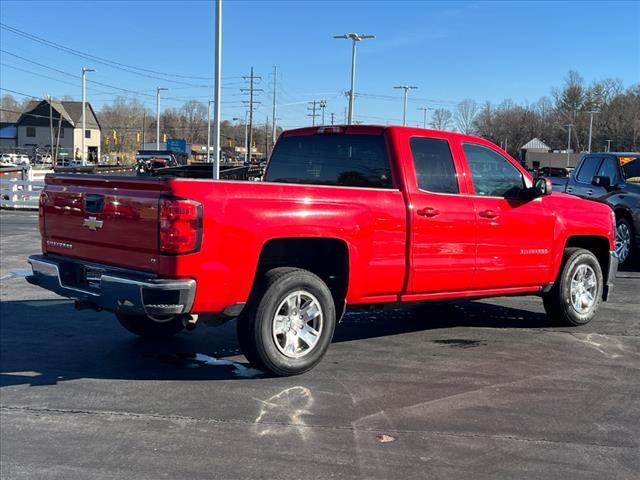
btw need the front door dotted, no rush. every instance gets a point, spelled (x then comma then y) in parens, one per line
(442, 221)
(514, 235)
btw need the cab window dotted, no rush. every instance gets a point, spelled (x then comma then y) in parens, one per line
(588, 169)
(609, 168)
(492, 174)
(435, 170)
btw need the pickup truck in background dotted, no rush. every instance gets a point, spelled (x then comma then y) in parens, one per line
(345, 216)
(614, 179)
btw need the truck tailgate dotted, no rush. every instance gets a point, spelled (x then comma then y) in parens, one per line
(111, 220)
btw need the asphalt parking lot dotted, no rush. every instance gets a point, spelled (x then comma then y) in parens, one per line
(483, 389)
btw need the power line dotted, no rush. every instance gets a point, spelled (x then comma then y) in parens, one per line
(104, 61)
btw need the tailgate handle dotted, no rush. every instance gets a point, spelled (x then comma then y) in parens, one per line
(93, 203)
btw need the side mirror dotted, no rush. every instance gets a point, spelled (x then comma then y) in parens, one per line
(599, 181)
(542, 187)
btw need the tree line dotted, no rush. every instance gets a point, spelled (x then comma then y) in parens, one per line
(614, 110)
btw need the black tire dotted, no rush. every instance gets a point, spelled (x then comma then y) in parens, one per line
(254, 326)
(623, 222)
(558, 302)
(146, 327)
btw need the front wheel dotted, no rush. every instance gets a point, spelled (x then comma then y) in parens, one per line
(151, 327)
(289, 322)
(577, 292)
(624, 239)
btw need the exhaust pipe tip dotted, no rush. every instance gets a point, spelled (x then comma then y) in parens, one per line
(189, 322)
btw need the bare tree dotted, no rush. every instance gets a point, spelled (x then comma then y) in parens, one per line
(441, 119)
(465, 114)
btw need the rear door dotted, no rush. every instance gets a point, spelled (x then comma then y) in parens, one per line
(443, 237)
(514, 235)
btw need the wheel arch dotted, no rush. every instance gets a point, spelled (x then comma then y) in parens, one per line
(326, 257)
(596, 244)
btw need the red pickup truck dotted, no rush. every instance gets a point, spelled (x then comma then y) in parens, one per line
(350, 215)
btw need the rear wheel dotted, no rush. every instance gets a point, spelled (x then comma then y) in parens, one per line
(288, 323)
(151, 327)
(577, 292)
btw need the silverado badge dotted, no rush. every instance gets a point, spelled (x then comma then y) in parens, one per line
(92, 223)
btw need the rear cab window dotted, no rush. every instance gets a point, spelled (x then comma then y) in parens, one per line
(348, 160)
(435, 170)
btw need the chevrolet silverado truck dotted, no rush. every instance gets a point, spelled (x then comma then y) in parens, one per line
(345, 216)
(612, 178)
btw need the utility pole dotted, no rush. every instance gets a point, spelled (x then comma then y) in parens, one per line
(273, 113)
(158, 89)
(591, 114)
(569, 126)
(406, 89)
(144, 128)
(313, 113)
(424, 118)
(216, 92)
(51, 128)
(84, 108)
(209, 133)
(323, 105)
(355, 38)
(251, 91)
(332, 117)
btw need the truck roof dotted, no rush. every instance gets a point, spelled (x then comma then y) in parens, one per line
(373, 129)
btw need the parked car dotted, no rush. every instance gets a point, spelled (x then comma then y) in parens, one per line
(346, 216)
(7, 160)
(614, 179)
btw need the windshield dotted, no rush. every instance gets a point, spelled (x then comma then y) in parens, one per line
(630, 168)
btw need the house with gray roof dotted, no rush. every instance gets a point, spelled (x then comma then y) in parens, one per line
(41, 121)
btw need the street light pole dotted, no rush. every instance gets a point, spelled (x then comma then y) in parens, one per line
(209, 132)
(246, 136)
(354, 37)
(406, 89)
(158, 89)
(569, 144)
(84, 106)
(591, 114)
(216, 91)
(608, 145)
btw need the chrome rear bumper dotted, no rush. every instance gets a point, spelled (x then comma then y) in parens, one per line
(111, 288)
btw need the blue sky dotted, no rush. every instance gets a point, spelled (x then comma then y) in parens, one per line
(449, 50)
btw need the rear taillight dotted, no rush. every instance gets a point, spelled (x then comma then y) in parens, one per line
(180, 225)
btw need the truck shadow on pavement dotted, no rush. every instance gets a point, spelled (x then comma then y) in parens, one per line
(43, 342)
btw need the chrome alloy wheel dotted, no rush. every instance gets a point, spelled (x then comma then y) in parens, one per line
(584, 285)
(623, 241)
(297, 324)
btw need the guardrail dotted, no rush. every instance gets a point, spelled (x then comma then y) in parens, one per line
(20, 194)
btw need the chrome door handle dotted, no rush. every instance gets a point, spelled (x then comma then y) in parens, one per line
(428, 212)
(488, 214)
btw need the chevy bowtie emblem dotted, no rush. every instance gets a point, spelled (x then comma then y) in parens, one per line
(92, 223)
